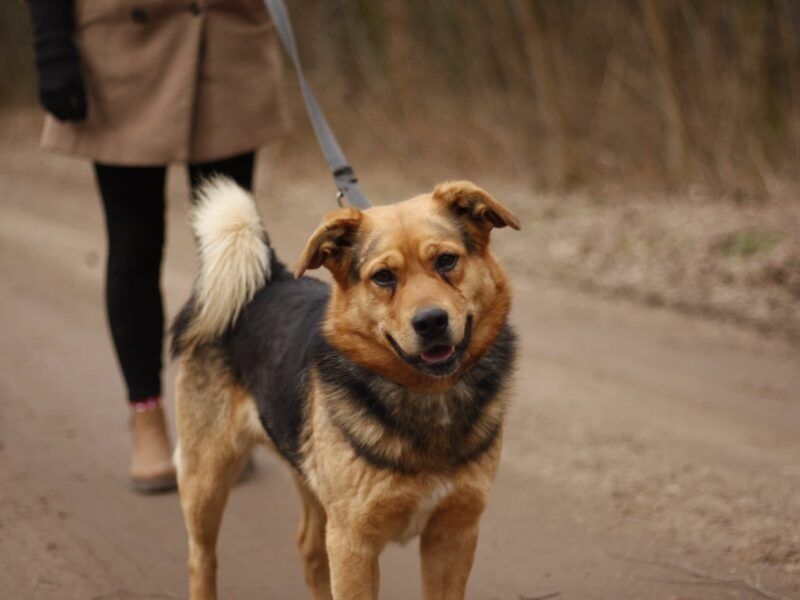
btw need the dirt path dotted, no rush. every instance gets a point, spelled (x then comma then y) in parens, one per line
(636, 435)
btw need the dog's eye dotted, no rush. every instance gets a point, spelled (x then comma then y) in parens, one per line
(446, 262)
(384, 277)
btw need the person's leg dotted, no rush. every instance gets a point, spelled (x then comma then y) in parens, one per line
(239, 168)
(133, 201)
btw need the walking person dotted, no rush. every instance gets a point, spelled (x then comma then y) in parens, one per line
(133, 87)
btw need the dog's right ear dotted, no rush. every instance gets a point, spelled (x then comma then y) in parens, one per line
(330, 243)
(475, 208)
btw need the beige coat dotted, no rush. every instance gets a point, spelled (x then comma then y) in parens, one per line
(173, 80)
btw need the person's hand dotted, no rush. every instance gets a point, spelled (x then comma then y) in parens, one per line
(61, 88)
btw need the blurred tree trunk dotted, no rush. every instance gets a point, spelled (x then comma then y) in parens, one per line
(677, 132)
(790, 47)
(505, 51)
(399, 36)
(470, 45)
(757, 92)
(356, 59)
(539, 49)
(791, 51)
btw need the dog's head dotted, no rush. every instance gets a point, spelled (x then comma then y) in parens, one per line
(418, 295)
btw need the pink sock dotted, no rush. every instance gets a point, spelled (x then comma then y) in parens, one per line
(145, 404)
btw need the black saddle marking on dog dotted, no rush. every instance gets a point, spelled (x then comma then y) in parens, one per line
(270, 346)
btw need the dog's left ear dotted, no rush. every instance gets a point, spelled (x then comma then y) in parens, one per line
(476, 207)
(330, 243)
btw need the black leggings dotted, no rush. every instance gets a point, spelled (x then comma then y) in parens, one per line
(133, 199)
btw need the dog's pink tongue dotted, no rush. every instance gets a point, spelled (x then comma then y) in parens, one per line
(437, 354)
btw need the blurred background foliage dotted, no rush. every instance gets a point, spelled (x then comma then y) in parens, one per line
(658, 94)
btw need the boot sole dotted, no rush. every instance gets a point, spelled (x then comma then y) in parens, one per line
(169, 483)
(157, 485)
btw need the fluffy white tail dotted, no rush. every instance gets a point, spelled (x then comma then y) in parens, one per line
(234, 256)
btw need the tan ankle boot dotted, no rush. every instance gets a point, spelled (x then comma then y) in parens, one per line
(151, 459)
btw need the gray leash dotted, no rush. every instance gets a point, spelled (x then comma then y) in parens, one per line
(343, 173)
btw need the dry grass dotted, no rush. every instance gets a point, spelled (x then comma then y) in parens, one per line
(696, 253)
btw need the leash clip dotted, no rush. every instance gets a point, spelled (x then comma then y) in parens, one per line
(340, 198)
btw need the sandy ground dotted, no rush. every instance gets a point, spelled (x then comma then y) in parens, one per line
(642, 445)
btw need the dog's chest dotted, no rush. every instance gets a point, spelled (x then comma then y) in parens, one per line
(426, 506)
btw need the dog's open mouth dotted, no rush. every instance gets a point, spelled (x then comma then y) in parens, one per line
(438, 354)
(440, 360)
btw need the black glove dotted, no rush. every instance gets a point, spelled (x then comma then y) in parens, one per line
(61, 89)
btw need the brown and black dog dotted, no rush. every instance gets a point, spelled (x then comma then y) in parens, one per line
(385, 393)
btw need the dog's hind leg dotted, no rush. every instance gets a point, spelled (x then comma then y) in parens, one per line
(311, 542)
(214, 440)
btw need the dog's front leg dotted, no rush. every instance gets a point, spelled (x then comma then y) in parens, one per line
(353, 565)
(447, 549)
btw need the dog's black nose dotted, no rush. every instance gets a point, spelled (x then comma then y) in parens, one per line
(430, 322)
